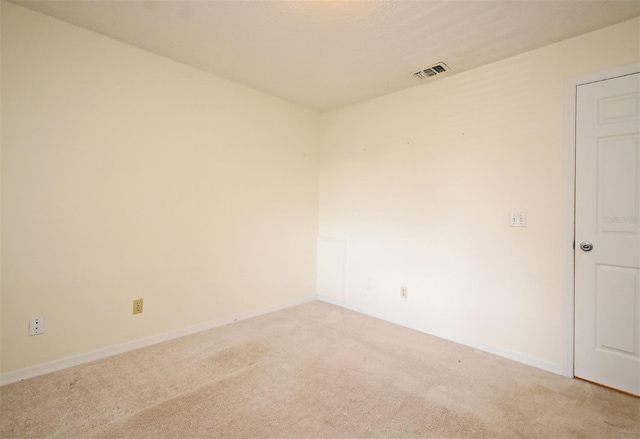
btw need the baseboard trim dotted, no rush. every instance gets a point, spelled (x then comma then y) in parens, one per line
(495, 350)
(98, 354)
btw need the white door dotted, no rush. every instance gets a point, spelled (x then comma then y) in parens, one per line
(607, 276)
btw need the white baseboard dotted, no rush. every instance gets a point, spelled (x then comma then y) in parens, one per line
(86, 357)
(495, 350)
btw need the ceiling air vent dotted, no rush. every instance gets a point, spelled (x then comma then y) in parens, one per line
(432, 71)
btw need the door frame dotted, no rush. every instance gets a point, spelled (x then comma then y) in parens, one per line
(569, 203)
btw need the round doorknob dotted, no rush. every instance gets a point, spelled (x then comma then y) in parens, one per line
(586, 246)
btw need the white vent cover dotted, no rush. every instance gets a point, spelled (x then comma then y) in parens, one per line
(436, 69)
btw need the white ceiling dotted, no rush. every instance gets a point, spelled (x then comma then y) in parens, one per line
(327, 54)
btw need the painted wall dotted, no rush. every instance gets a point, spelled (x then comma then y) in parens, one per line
(420, 184)
(126, 175)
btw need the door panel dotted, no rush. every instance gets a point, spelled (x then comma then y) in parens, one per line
(617, 188)
(616, 305)
(619, 108)
(607, 278)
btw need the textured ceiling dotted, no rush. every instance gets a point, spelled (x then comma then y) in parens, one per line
(326, 54)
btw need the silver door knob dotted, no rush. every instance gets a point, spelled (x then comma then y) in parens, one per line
(586, 246)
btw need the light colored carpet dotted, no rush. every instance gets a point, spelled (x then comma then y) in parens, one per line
(312, 371)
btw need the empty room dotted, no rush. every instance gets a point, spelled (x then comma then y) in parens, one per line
(320, 219)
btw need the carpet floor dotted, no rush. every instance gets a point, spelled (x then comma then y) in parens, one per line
(312, 371)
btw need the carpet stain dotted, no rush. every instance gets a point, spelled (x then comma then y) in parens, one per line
(233, 358)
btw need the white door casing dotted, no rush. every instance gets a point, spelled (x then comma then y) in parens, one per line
(607, 210)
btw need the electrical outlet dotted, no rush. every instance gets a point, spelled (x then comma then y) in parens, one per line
(137, 306)
(404, 291)
(36, 325)
(517, 220)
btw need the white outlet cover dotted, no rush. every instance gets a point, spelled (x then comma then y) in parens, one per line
(36, 325)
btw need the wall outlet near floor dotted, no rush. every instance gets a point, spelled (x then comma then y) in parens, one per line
(137, 306)
(36, 325)
(404, 292)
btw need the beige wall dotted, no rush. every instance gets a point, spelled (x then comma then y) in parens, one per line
(127, 175)
(421, 183)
